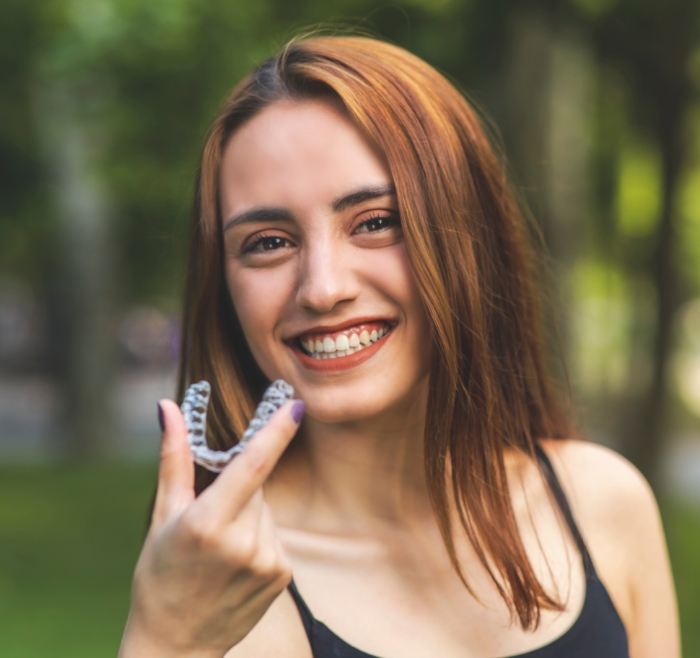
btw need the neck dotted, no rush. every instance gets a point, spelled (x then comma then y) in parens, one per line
(358, 476)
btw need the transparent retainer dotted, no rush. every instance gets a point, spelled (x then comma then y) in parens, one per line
(194, 409)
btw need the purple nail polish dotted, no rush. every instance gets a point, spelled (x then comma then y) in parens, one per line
(161, 419)
(298, 411)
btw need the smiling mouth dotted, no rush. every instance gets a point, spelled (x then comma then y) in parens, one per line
(351, 341)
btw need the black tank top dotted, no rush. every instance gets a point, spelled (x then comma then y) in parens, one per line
(598, 631)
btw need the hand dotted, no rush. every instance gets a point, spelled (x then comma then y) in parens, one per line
(210, 566)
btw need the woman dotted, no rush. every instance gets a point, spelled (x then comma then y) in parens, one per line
(355, 236)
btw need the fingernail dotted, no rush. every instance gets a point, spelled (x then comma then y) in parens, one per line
(161, 419)
(298, 411)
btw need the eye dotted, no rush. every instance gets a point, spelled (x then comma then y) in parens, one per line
(378, 223)
(264, 243)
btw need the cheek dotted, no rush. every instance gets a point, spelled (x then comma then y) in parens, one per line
(406, 290)
(397, 276)
(257, 298)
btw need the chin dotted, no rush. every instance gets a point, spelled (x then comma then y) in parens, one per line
(329, 410)
(332, 411)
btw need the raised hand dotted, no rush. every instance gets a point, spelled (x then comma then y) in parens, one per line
(210, 566)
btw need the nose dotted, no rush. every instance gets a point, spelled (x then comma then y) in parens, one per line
(326, 277)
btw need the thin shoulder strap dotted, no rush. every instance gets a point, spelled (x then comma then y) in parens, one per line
(306, 617)
(565, 508)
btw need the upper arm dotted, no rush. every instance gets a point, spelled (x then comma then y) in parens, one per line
(620, 520)
(655, 626)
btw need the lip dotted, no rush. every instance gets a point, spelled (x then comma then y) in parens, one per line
(342, 362)
(329, 329)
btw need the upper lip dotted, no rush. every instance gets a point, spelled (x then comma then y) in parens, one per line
(329, 329)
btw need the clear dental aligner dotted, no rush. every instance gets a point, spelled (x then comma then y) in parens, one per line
(194, 409)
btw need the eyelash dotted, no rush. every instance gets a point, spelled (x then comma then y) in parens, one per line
(253, 247)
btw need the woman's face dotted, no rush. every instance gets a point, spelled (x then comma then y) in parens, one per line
(316, 265)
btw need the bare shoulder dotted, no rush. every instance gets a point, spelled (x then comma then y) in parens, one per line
(601, 480)
(612, 501)
(617, 513)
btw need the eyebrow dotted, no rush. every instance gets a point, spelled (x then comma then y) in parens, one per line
(276, 214)
(362, 195)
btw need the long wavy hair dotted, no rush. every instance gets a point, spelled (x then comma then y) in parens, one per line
(470, 249)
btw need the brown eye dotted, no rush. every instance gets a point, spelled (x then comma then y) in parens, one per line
(378, 223)
(264, 243)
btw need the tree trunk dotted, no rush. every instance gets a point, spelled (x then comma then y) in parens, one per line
(80, 288)
(550, 93)
(645, 445)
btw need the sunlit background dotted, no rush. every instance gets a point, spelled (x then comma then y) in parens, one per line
(104, 107)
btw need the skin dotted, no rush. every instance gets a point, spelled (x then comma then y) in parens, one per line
(345, 505)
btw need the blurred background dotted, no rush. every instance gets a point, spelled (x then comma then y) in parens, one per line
(104, 106)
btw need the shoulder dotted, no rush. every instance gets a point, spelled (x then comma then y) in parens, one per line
(612, 503)
(611, 499)
(618, 516)
(601, 480)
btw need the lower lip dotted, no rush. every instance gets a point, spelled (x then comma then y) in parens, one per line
(340, 363)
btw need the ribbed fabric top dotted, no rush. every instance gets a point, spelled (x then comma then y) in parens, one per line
(598, 631)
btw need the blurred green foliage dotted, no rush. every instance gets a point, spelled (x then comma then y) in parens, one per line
(69, 539)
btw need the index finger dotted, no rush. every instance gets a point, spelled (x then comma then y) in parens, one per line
(248, 471)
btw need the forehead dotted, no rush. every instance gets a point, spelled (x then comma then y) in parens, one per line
(297, 154)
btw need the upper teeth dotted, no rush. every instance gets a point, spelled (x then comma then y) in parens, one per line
(353, 341)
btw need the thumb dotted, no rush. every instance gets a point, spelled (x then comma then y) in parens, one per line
(176, 470)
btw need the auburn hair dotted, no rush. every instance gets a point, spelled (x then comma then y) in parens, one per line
(470, 249)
